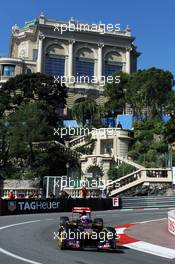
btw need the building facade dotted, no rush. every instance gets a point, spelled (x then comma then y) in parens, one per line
(72, 50)
(105, 145)
(109, 144)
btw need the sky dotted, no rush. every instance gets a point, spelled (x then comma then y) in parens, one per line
(152, 22)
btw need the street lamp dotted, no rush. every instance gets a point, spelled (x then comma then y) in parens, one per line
(113, 118)
(67, 167)
(170, 159)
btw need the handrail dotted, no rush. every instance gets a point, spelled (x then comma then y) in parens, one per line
(122, 178)
(131, 162)
(77, 138)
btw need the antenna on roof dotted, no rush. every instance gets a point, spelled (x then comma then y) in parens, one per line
(128, 28)
(42, 14)
(72, 19)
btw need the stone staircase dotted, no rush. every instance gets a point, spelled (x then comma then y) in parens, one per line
(65, 148)
(44, 145)
(79, 142)
(141, 176)
(119, 160)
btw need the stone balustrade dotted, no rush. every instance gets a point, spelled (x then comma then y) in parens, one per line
(141, 176)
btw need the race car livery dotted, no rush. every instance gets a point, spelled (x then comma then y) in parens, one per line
(80, 231)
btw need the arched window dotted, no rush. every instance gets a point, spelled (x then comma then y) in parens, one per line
(8, 70)
(55, 60)
(113, 63)
(28, 71)
(84, 63)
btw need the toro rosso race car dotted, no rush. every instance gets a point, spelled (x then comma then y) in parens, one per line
(80, 231)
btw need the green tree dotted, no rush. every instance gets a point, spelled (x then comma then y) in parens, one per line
(4, 147)
(34, 87)
(85, 110)
(116, 94)
(31, 104)
(169, 132)
(117, 172)
(149, 147)
(28, 125)
(169, 107)
(148, 92)
(32, 150)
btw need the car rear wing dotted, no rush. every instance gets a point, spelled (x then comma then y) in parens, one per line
(81, 209)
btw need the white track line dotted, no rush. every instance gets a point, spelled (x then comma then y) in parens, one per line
(18, 224)
(120, 230)
(18, 257)
(8, 253)
(154, 220)
(152, 249)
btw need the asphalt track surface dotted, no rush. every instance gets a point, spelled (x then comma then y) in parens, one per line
(30, 239)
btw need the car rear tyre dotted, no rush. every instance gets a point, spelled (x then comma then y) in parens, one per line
(98, 223)
(112, 240)
(63, 220)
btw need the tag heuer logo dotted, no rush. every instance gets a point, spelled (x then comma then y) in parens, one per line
(11, 206)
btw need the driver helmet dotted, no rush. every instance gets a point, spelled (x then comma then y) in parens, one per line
(84, 218)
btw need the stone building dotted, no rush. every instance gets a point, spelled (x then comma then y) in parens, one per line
(108, 145)
(72, 50)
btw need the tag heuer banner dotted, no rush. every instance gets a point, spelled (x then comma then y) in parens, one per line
(28, 206)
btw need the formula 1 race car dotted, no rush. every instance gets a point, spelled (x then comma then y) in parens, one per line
(80, 231)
